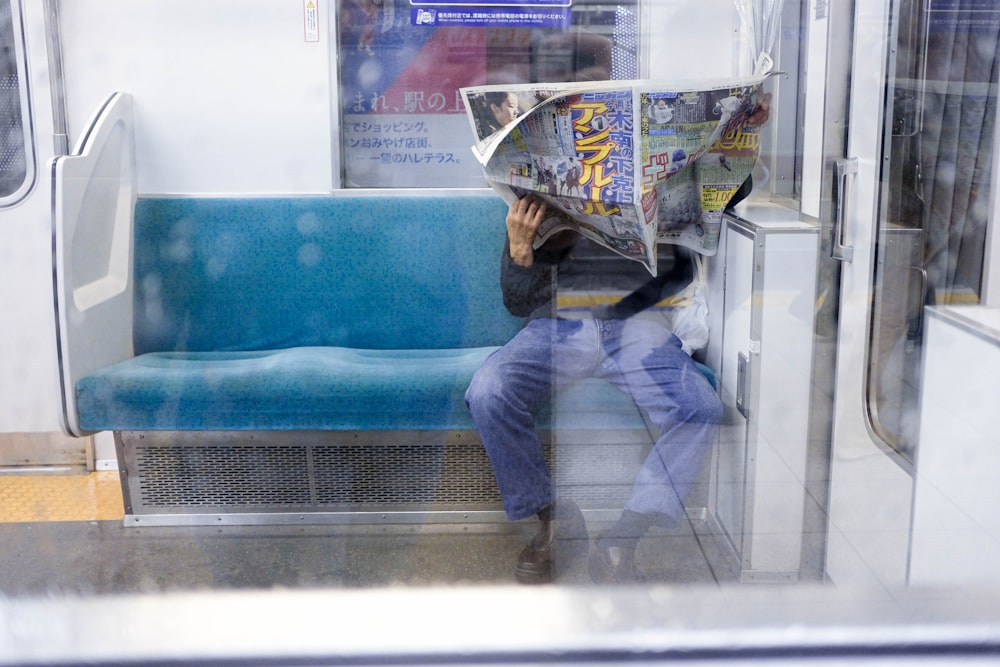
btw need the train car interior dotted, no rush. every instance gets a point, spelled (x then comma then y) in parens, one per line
(250, 270)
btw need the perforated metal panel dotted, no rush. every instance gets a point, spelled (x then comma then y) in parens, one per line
(445, 472)
(196, 476)
(181, 473)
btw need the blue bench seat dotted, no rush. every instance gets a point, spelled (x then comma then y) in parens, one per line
(313, 388)
(316, 313)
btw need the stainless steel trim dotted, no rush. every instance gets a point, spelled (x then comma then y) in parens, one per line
(64, 420)
(359, 518)
(57, 87)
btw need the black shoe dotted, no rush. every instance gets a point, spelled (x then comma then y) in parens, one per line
(612, 561)
(553, 545)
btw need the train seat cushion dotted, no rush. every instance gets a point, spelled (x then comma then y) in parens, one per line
(313, 313)
(295, 388)
(314, 388)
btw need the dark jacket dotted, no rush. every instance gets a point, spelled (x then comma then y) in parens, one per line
(580, 264)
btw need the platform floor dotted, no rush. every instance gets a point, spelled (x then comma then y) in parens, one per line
(70, 570)
(93, 497)
(64, 534)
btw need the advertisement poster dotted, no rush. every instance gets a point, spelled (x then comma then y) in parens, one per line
(402, 65)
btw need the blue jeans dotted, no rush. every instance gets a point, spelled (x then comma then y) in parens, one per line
(640, 357)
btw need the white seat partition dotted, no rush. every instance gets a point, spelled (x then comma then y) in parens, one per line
(94, 193)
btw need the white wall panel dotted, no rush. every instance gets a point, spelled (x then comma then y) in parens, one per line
(229, 97)
(693, 39)
(956, 526)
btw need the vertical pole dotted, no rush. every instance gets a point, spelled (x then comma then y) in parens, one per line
(53, 45)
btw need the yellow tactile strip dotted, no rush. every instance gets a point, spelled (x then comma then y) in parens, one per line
(93, 497)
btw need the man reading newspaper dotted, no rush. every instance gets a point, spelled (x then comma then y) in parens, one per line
(636, 353)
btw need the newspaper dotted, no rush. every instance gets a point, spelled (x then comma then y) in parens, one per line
(628, 164)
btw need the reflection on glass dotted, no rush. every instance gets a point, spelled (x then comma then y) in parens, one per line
(401, 68)
(13, 161)
(691, 575)
(939, 141)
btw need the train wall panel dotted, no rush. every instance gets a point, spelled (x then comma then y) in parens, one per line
(229, 96)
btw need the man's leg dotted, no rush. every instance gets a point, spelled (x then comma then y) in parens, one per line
(504, 397)
(646, 360)
(507, 392)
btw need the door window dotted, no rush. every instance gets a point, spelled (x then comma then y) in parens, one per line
(16, 154)
(935, 192)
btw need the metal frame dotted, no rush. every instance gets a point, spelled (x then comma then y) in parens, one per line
(27, 115)
(595, 467)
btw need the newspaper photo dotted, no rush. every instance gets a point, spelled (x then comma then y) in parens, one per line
(628, 164)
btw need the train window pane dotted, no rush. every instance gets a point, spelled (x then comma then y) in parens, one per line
(935, 198)
(401, 65)
(15, 143)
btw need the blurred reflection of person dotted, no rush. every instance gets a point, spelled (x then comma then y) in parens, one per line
(572, 56)
(639, 355)
(372, 12)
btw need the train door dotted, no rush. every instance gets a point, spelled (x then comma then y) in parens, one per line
(30, 435)
(908, 211)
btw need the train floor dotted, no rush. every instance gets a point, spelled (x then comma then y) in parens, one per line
(65, 535)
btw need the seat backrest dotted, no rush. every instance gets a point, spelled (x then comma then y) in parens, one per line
(380, 272)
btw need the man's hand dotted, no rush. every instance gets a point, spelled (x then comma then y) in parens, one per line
(523, 218)
(761, 112)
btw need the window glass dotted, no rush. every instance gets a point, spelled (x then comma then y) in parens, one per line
(15, 149)
(400, 530)
(401, 65)
(935, 194)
